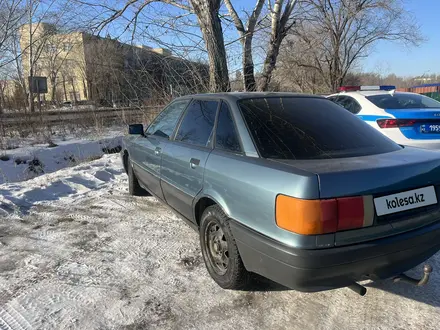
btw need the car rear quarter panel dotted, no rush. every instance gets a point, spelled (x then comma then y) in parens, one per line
(246, 188)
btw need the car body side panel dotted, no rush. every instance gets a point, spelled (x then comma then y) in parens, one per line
(180, 181)
(246, 188)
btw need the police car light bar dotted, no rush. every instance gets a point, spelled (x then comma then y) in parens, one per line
(366, 88)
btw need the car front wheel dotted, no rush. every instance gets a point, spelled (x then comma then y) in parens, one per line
(220, 251)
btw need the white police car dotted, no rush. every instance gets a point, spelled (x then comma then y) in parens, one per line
(407, 118)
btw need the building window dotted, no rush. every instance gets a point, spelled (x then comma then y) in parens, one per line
(68, 47)
(51, 48)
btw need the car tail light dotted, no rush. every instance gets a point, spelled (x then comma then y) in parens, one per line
(314, 217)
(393, 123)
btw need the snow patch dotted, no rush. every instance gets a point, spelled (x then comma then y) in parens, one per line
(18, 198)
(104, 175)
(27, 163)
(86, 255)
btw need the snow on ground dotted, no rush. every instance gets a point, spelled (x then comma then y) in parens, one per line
(27, 161)
(77, 252)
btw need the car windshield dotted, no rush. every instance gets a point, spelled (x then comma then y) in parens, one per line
(309, 128)
(403, 101)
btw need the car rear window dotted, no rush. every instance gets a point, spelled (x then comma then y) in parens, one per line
(403, 101)
(309, 128)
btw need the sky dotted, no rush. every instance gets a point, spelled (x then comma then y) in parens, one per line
(424, 59)
(391, 57)
(386, 57)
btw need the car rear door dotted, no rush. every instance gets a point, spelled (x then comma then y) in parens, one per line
(147, 150)
(184, 158)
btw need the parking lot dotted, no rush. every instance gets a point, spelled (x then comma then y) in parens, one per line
(92, 257)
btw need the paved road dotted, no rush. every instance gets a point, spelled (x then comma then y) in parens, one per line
(94, 258)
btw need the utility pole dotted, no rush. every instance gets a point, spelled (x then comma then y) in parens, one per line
(31, 62)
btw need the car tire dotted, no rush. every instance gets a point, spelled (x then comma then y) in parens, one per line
(134, 188)
(219, 250)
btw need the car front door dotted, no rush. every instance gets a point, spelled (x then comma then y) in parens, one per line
(147, 150)
(184, 158)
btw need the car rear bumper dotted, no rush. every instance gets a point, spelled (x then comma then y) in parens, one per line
(398, 137)
(324, 269)
(425, 144)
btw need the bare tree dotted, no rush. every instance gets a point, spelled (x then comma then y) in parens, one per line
(281, 23)
(334, 34)
(246, 33)
(3, 86)
(34, 36)
(207, 13)
(11, 16)
(56, 58)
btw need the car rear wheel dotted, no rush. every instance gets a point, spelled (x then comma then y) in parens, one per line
(134, 188)
(220, 251)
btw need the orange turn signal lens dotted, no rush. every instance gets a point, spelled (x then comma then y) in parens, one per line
(306, 217)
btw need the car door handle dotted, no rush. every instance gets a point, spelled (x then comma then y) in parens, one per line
(157, 151)
(193, 162)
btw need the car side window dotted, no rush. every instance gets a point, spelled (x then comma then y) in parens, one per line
(226, 136)
(197, 123)
(349, 103)
(166, 121)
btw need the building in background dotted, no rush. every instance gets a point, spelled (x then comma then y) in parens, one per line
(7, 91)
(83, 67)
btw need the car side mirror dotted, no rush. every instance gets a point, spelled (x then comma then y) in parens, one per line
(136, 129)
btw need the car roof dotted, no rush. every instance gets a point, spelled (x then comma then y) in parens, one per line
(234, 96)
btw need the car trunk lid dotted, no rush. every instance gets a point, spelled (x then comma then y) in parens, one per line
(420, 124)
(374, 174)
(383, 175)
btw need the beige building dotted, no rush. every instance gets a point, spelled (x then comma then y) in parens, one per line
(83, 67)
(7, 91)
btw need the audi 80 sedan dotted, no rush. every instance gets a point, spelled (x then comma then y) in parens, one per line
(291, 187)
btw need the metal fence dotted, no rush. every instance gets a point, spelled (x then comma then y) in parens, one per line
(88, 117)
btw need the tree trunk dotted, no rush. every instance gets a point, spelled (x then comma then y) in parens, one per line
(53, 89)
(211, 28)
(85, 90)
(270, 62)
(246, 35)
(1, 100)
(248, 66)
(31, 61)
(64, 89)
(279, 29)
(74, 91)
(336, 79)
